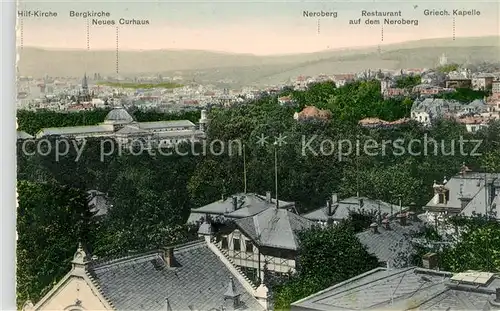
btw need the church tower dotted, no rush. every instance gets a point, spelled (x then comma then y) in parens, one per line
(85, 86)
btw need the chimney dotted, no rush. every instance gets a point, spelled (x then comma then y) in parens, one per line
(386, 224)
(235, 203)
(168, 257)
(361, 203)
(430, 261)
(497, 295)
(412, 216)
(335, 198)
(231, 298)
(402, 219)
(492, 192)
(374, 227)
(268, 196)
(329, 208)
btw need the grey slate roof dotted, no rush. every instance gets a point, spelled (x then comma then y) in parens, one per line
(249, 204)
(98, 203)
(23, 135)
(276, 228)
(143, 282)
(120, 115)
(389, 245)
(436, 107)
(352, 204)
(400, 289)
(470, 186)
(166, 124)
(72, 130)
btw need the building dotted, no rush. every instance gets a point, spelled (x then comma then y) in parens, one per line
(430, 109)
(23, 135)
(495, 87)
(337, 210)
(408, 289)
(237, 206)
(267, 240)
(379, 123)
(98, 203)
(389, 239)
(474, 124)
(284, 100)
(482, 82)
(312, 113)
(459, 83)
(443, 60)
(467, 194)
(189, 277)
(120, 125)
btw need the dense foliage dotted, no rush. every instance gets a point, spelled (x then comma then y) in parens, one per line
(475, 247)
(464, 95)
(51, 220)
(408, 81)
(448, 68)
(326, 257)
(151, 194)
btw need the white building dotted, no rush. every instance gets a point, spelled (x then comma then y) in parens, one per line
(120, 125)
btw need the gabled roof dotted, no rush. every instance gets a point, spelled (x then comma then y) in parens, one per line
(276, 228)
(249, 204)
(351, 204)
(466, 187)
(23, 135)
(400, 289)
(144, 282)
(390, 245)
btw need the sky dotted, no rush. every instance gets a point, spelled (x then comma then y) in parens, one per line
(256, 27)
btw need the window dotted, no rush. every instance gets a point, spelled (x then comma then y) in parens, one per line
(249, 247)
(251, 274)
(236, 244)
(224, 243)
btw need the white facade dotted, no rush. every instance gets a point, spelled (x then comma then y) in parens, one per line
(422, 117)
(121, 126)
(247, 256)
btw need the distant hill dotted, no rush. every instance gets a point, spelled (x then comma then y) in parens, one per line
(206, 66)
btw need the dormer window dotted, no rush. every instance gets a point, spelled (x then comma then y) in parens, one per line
(444, 197)
(441, 198)
(224, 243)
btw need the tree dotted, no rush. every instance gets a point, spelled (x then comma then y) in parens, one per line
(51, 220)
(326, 257)
(474, 246)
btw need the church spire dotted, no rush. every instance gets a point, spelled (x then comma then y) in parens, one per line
(85, 86)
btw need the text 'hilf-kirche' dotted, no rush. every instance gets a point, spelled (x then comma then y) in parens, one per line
(36, 13)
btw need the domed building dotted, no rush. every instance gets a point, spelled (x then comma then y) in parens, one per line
(118, 115)
(120, 125)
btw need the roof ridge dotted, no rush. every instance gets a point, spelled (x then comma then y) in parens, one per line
(99, 263)
(96, 284)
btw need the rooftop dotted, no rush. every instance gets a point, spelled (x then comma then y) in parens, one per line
(247, 204)
(402, 289)
(276, 228)
(392, 244)
(351, 204)
(198, 280)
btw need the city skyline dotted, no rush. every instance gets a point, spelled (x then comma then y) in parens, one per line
(260, 28)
